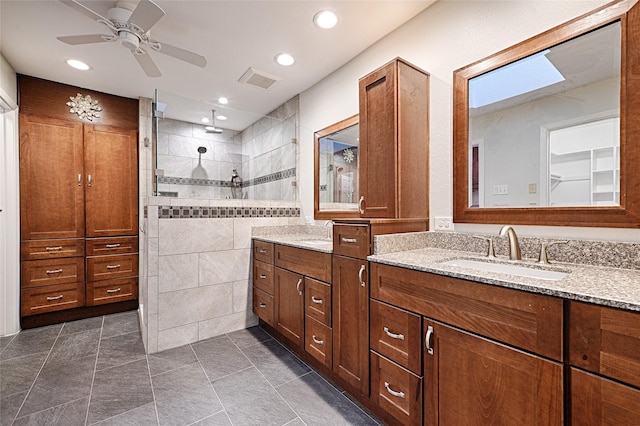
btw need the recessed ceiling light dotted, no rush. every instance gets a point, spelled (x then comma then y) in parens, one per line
(325, 19)
(205, 119)
(221, 117)
(223, 100)
(79, 65)
(285, 59)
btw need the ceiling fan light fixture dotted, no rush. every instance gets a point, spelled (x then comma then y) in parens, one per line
(285, 59)
(77, 64)
(325, 19)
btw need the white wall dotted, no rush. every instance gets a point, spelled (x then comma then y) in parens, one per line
(446, 36)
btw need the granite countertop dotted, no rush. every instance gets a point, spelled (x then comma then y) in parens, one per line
(303, 241)
(614, 287)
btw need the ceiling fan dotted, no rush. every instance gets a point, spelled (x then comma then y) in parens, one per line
(129, 25)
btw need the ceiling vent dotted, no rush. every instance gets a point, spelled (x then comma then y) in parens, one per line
(258, 78)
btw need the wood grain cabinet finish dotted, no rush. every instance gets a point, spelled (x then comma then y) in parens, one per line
(263, 306)
(51, 249)
(351, 321)
(109, 267)
(111, 245)
(112, 290)
(40, 300)
(352, 240)
(470, 380)
(309, 263)
(263, 251)
(38, 273)
(394, 136)
(263, 276)
(289, 305)
(318, 341)
(317, 297)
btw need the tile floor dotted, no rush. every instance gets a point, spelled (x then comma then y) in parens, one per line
(95, 371)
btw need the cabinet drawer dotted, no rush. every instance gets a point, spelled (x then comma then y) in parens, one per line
(310, 263)
(51, 298)
(36, 273)
(526, 320)
(396, 334)
(108, 267)
(263, 306)
(317, 300)
(396, 390)
(115, 245)
(351, 240)
(605, 341)
(263, 276)
(318, 341)
(50, 249)
(109, 291)
(263, 251)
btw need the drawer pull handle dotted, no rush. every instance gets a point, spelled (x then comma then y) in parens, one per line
(113, 266)
(79, 179)
(51, 298)
(318, 301)
(298, 287)
(360, 275)
(263, 277)
(56, 248)
(112, 245)
(115, 290)
(54, 271)
(89, 181)
(262, 251)
(427, 340)
(360, 203)
(317, 341)
(263, 305)
(349, 240)
(393, 335)
(392, 392)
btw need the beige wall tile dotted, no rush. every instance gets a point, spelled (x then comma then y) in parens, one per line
(183, 307)
(224, 266)
(177, 272)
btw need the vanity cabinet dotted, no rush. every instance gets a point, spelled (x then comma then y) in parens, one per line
(289, 305)
(394, 142)
(604, 353)
(263, 281)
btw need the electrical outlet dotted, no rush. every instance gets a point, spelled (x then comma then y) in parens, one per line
(443, 223)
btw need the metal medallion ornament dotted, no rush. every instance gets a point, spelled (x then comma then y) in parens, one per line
(84, 106)
(348, 155)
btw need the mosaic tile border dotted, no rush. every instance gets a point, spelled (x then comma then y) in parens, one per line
(273, 177)
(224, 212)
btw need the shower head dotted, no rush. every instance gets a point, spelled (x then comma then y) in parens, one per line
(213, 128)
(202, 149)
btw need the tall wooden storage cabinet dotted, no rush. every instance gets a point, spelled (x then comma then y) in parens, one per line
(79, 210)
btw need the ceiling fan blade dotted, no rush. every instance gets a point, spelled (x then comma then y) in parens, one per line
(146, 14)
(84, 10)
(182, 54)
(85, 39)
(146, 63)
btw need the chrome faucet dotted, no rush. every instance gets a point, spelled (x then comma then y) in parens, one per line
(514, 246)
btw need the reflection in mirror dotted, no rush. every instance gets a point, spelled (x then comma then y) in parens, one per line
(336, 170)
(545, 130)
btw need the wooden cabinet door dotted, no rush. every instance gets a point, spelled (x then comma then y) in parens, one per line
(289, 303)
(51, 174)
(351, 321)
(111, 165)
(469, 380)
(597, 401)
(378, 155)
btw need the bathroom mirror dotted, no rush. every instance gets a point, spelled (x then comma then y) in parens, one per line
(545, 132)
(336, 170)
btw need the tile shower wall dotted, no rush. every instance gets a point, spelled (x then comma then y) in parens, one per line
(199, 266)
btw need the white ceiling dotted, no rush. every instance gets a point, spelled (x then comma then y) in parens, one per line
(232, 35)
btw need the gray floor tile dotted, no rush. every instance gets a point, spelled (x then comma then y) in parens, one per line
(9, 406)
(120, 349)
(120, 389)
(184, 396)
(74, 346)
(220, 357)
(123, 323)
(295, 422)
(218, 419)
(250, 400)
(171, 359)
(319, 403)
(31, 341)
(276, 362)
(4, 342)
(141, 416)
(249, 337)
(72, 413)
(60, 384)
(81, 325)
(18, 374)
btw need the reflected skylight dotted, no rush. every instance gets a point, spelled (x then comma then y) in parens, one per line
(526, 75)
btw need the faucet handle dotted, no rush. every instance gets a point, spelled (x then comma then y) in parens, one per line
(543, 258)
(491, 252)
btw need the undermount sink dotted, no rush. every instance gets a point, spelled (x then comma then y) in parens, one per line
(507, 268)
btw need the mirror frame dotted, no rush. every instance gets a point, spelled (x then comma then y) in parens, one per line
(329, 214)
(627, 214)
